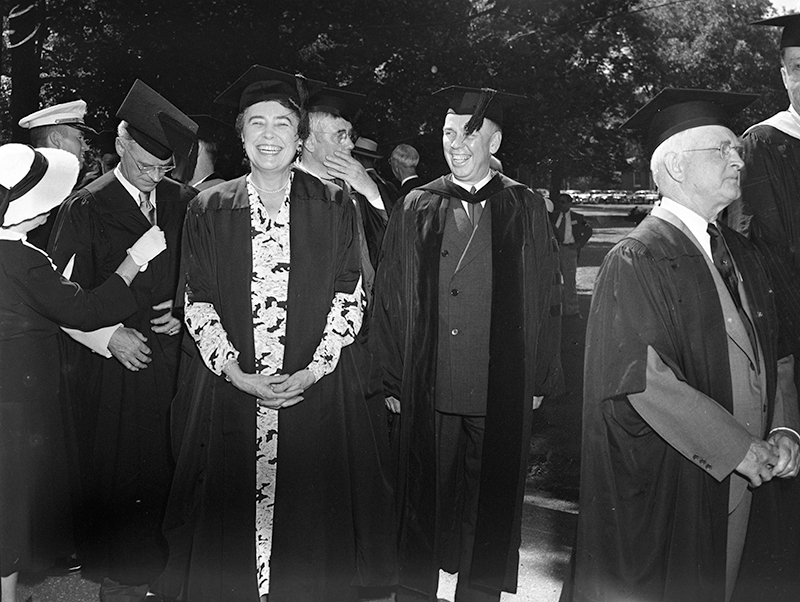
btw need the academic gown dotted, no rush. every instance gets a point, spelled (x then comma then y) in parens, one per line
(333, 525)
(387, 189)
(35, 505)
(524, 361)
(770, 190)
(655, 289)
(407, 187)
(123, 415)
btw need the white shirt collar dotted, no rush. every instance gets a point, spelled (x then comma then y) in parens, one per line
(480, 184)
(6, 234)
(696, 223)
(303, 167)
(132, 190)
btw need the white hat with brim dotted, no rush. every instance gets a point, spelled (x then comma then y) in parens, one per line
(67, 113)
(33, 181)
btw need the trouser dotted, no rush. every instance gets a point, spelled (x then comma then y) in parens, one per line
(459, 441)
(737, 530)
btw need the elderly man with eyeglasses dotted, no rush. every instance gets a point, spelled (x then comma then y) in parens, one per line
(121, 403)
(689, 405)
(326, 153)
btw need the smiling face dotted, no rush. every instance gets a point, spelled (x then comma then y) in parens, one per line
(468, 156)
(269, 134)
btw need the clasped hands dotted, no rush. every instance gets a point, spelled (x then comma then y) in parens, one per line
(778, 456)
(273, 392)
(129, 345)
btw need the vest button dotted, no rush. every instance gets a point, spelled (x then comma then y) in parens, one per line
(445, 253)
(454, 332)
(454, 292)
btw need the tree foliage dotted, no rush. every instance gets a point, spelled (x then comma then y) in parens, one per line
(584, 65)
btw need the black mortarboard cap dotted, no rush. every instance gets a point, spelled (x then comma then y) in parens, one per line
(339, 103)
(674, 110)
(261, 83)
(157, 125)
(210, 128)
(478, 102)
(791, 28)
(105, 142)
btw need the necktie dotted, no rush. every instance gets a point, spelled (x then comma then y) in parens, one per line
(147, 207)
(724, 265)
(474, 210)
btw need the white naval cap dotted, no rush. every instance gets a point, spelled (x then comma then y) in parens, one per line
(67, 113)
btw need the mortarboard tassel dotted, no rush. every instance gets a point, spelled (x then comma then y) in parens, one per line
(302, 94)
(476, 121)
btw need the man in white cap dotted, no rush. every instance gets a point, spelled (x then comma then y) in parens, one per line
(59, 126)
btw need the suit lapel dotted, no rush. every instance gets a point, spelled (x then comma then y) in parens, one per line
(481, 237)
(733, 322)
(115, 199)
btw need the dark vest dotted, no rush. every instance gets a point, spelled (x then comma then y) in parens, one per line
(462, 367)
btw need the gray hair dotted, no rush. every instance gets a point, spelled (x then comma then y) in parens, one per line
(673, 144)
(406, 155)
(123, 133)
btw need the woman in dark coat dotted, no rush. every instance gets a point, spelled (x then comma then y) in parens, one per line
(279, 431)
(34, 301)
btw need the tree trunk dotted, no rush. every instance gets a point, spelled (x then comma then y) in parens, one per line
(556, 179)
(26, 28)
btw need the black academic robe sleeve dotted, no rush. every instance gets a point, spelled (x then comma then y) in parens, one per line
(65, 302)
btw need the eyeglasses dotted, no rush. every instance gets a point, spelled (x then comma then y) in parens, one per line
(341, 136)
(149, 169)
(724, 149)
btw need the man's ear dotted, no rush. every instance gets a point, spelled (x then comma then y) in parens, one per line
(310, 143)
(494, 141)
(55, 139)
(675, 166)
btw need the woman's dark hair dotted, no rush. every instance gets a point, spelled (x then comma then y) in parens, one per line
(302, 117)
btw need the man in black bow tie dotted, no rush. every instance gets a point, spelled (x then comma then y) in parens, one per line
(468, 338)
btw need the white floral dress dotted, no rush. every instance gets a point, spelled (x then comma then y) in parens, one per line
(269, 286)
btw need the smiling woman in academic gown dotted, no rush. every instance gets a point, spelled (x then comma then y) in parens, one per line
(279, 432)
